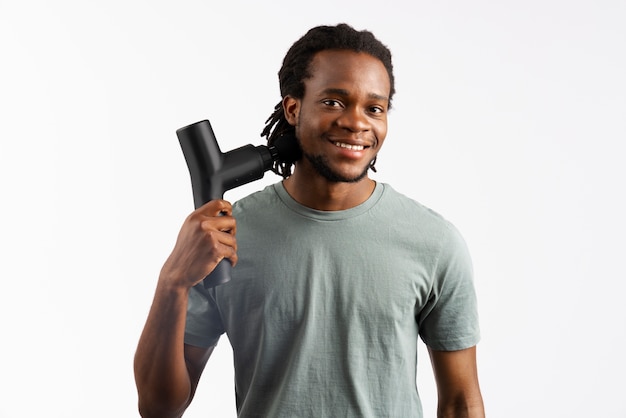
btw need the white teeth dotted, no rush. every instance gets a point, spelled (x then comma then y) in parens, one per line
(350, 147)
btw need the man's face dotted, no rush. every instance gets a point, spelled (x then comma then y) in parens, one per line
(341, 122)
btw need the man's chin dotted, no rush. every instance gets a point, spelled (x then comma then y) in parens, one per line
(321, 166)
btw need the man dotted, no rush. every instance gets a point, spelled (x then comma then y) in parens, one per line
(335, 275)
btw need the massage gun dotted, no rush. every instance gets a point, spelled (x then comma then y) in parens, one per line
(213, 172)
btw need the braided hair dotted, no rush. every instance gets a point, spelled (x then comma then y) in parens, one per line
(295, 70)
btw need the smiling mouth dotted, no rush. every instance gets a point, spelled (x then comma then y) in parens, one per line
(349, 146)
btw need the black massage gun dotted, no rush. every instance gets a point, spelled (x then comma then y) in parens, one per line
(213, 172)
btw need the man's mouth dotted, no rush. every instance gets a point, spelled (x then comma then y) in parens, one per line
(349, 146)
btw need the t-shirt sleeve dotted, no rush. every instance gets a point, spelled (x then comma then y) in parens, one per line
(449, 321)
(204, 326)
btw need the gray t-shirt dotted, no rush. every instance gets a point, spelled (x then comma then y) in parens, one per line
(324, 309)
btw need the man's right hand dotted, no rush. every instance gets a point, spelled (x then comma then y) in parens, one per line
(206, 238)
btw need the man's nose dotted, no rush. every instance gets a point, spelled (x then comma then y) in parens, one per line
(353, 119)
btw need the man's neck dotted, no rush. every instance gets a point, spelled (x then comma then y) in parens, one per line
(321, 194)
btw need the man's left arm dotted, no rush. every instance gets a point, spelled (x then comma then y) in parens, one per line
(458, 390)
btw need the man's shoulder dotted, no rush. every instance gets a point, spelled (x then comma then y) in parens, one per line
(408, 206)
(258, 198)
(254, 196)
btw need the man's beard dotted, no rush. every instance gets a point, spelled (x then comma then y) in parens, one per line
(320, 164)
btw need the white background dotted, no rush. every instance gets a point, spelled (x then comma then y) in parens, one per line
(509, 119)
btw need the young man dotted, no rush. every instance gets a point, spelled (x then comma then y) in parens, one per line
(335, 276)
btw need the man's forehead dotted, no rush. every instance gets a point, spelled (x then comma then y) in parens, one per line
(334, 65)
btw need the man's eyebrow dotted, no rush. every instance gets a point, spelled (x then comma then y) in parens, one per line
(378, 97)
(344, 92)
(340, 92)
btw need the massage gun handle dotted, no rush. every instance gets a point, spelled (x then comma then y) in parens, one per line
(221, 272)
(219, 275)
(204, 160)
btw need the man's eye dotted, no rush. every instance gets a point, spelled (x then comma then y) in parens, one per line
(331, 102)
(377, 109)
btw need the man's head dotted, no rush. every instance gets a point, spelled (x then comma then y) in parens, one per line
(296, 69)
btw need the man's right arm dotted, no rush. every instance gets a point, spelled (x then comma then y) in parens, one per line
(167, 371)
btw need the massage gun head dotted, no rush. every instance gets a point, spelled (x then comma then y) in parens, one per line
(285, 150)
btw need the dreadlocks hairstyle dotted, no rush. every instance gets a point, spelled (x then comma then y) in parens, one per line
(295, 70)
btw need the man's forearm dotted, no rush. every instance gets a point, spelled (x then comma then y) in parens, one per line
(466, 408)
(161, 375)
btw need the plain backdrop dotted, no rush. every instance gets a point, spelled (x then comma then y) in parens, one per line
(509, 119)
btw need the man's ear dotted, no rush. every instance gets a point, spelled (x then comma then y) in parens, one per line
(291, 107)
